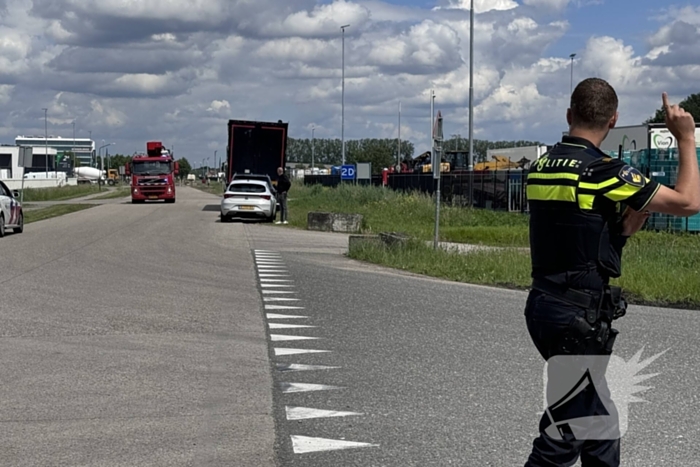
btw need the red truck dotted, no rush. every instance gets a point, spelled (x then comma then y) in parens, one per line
(153, 174)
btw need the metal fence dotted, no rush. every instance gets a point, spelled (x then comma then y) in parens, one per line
(506, 190)
(496, 190)
(665, 171)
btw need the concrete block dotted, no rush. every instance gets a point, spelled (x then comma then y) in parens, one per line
(394, 238)
(334, 222)
(357, 241)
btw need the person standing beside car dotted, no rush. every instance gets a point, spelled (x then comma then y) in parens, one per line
(283, 186)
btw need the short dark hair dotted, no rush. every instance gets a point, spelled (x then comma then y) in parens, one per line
(593, 104)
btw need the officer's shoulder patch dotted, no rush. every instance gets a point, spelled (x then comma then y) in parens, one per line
(632, 176)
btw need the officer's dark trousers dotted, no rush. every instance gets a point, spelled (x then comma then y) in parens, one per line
(548, 320)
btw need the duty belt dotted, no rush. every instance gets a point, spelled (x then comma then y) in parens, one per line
(608, 300)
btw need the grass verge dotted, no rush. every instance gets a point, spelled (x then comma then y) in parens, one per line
(53, 211)
(662, 268)
(59, 193)
(658, 268)
(385, 210)
(120, 192)
(507, 267)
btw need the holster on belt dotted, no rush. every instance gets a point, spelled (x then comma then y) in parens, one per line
(607, 304)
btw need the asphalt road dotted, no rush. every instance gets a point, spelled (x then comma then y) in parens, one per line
(426, 372)
(132, 336)
(147, 335)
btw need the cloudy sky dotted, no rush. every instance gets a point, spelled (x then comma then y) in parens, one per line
(177, 70)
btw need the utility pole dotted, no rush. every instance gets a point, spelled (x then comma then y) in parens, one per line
(437, 173)
(46, 142)
(73, 151)
(471, 104)
(432, 130)
(432, 125)
(457, 138)
(312, 149)
(572, 73)
(398, 155)
(342, 117)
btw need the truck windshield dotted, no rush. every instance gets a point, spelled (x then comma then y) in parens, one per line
(152, 167)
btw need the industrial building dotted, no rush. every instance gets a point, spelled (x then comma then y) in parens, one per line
(11, 168)
(83, 150)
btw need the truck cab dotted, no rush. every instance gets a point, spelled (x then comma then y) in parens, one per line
(153, 174)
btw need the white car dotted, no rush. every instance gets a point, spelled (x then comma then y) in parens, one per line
(11, 215)
(248, 199)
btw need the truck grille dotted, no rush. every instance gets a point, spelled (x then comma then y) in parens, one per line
(153, 186)
(152, 190)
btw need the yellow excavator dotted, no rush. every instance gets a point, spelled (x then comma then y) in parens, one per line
(501, 163)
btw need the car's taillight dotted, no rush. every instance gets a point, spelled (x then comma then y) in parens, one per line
(265, 197)
(228, 196)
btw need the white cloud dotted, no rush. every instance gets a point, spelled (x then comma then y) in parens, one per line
(426, 47)
(219, 107)
(556, 5)
(481, 6)
(127, 70)
(323, 20)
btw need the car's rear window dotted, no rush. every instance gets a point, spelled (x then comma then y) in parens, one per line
(247, 188)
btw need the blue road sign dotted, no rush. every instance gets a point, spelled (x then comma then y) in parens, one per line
(347, 172)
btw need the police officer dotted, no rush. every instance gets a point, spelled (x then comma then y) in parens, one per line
(584, 206)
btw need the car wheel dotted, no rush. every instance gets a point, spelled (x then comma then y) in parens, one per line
(20, 229)
(2, 226)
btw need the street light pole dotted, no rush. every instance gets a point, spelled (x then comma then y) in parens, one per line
(102, 159)
(46, 142)
(432, 130)
(572, 73)
(398, 155)
(312, 149)
(73, 150)
(342, 116)
(471, 103)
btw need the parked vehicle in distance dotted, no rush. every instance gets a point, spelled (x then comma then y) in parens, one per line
(245, 198)
(11, 214)
(153, 174)
(256, 147)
